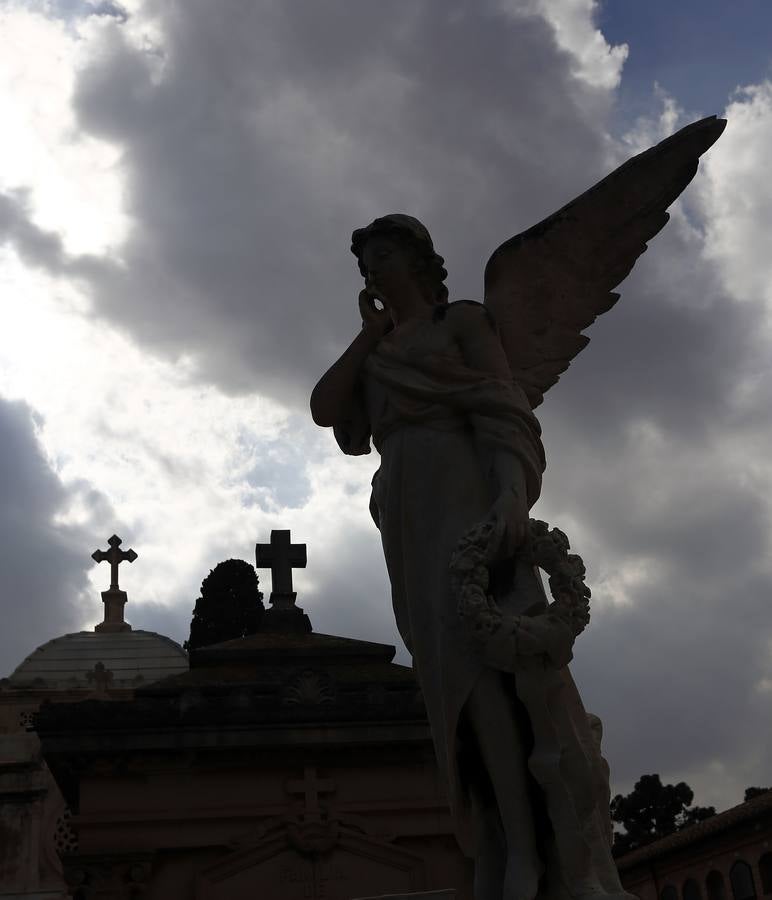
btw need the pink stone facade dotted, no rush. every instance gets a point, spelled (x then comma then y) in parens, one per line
(285, 767)
(35, 820)
(365, 823)
(726, 857)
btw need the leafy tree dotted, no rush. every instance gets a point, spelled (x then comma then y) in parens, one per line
(696, 814)
(652, 811)
(230, 605)
(751, 792)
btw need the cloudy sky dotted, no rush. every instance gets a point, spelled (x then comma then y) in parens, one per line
(178, 186)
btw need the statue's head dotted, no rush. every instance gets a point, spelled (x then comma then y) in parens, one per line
(412, 238)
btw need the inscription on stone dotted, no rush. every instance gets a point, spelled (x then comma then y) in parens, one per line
(310, 880)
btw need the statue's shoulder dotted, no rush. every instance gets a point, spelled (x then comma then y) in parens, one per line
(465, 314)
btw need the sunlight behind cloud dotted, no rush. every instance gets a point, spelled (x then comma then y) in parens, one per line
(170, 463)
(73, 181)
(737, 202)
(572, 21)
(648, 130)
(169, 455)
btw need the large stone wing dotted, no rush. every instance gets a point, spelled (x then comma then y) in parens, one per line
(546, 285)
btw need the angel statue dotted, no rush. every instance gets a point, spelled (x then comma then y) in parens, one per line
(446, 392)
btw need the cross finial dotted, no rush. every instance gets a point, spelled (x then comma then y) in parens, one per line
(282, 556)
(115, 557)
(114, 598)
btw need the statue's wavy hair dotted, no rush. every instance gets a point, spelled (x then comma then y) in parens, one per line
(429, 265)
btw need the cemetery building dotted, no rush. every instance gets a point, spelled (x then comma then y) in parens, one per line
(284, 764)
(107, 665)
(725, 857)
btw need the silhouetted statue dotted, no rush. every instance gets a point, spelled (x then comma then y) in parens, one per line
(446, 392)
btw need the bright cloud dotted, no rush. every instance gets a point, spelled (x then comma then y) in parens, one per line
(737, 197)
(572, 21)
(73, 181)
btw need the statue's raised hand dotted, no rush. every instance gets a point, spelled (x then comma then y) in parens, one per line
(374, 320)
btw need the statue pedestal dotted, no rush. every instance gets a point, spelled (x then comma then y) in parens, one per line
(449, 894)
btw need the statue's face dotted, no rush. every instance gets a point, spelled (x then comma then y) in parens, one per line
(389, 265)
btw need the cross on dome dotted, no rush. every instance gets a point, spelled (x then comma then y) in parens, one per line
(114, 599)
(115, 557)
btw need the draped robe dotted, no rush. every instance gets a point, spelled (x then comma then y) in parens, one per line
(436, 423)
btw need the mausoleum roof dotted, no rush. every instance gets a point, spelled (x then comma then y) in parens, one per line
(134, 658)
(112, 656)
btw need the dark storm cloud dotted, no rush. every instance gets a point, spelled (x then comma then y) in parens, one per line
(43, 564)
(112, 10)
(647, 443)
(671, 350)
(71, 10)
(44, 249)
(34, 245)
(352, 596)
(676, 674)
(260, 137)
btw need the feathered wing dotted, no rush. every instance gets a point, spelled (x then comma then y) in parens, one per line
(546, 285)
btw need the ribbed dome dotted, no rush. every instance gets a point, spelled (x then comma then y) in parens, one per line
(133, 657)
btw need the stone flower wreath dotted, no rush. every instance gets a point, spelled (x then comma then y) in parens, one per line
(512, 642)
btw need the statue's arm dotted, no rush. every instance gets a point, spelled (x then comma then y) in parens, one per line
(332, 397)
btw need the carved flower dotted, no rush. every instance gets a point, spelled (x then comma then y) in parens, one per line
(309, 687)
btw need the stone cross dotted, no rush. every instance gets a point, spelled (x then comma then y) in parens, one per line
(114, 599)
(115, 557)
(311, 787)
(281, 557)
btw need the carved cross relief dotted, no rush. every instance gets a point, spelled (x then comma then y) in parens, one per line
(311, 787)
(101, 677)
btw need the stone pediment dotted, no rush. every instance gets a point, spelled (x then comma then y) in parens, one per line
(270, 648)
(283, 676)
(318, 860)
